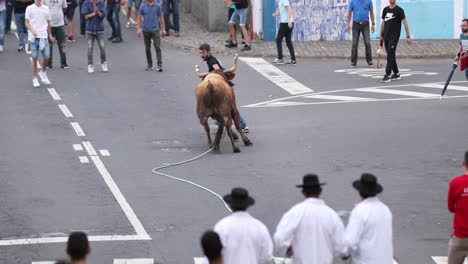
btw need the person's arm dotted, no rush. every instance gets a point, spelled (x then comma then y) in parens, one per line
(276, 13)
(460, 49)
(408, 36)
(285, 230)
(49, 31)
(266, 253)
(163, 25)
(348, 18)
(139, 23)
(451, 199)
(87, 13)
(382, 27)
(353, 233)
(101, 11)
(290, 15)
(216, 66)
(372, 17)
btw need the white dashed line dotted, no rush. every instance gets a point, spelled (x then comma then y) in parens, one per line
(79, 132)
(54, 94)
(66, 112)
(77, 147)
(84, 159)
(105, 152)
(89, 148)
(397, 92)
(134, 261)
(441, 86)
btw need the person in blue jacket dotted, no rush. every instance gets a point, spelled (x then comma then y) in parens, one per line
(94, 12)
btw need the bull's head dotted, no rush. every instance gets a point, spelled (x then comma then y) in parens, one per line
(230, 73)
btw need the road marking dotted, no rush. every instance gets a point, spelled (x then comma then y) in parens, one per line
(79, 132)
(89, 148)
(378, 73)
(441, 86)
(66, 112)
(140, 230)
(397, 92)
(337, 97)
(84, 159)
(38, 64)
(43, 262)
(134, 261)
(444, 260)
(52, 240)
(54, 94)
(277, 76)
(105, 152)
(77, 147)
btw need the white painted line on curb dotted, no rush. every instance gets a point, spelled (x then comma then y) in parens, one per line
(66, 112)
(54, 94)
(89, 148)
(84, 159)
(134, 261)
(441, 86)
(277, 76)
(337, 97)
(51, 240)
(397, 92)
(105, 152)
(43, 262)
(444, 260)
(79, 132)
(77, 147)
(140, 230)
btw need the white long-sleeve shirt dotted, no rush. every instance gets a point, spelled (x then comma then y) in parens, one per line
(245, 239)
(369, 237)
(314, 230)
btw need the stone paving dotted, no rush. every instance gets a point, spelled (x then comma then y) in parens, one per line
(192, 35)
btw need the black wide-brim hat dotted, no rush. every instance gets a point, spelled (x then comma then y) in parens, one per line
(368, 185)
(239, 198)
(311, 182)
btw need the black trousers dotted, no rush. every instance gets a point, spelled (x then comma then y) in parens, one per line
(285, 32)
(156, 37)
(391, 46)
(60, 35)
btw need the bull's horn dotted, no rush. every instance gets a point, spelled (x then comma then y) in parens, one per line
(197, 72)
(234, 67)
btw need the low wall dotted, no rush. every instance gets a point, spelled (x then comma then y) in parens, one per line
(212, 15)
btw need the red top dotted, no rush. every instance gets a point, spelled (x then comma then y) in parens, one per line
(458, 204)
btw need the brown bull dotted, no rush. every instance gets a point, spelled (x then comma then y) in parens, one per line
(216, 99)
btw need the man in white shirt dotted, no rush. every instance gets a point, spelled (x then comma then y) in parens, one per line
(368, 237)
(39, 34)
(57, 23)
(311, 230)
(245, 239)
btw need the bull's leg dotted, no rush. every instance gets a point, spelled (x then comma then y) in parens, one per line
(235, 117)
(204, 122)
(219, 134)
(228, 125)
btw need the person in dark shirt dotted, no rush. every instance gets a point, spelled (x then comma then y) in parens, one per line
(392, 17)
(20, 10)
(78, 248)
(212, 247)
(213, 64)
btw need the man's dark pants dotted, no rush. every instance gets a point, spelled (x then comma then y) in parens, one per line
(285, 32)
(391, 46)
(359, 28)
(113, 17)
(59, 34)
(156, 37)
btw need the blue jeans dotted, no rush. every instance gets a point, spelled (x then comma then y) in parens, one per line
(466, 73)
(2, 26)
(243, 123)
(21, 28)
(175, 18)
(239, 15)
(36, 49)
(113, 16)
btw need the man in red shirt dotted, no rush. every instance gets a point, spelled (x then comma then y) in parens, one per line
(458, 204)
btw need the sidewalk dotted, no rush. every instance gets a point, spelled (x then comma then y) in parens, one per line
(192, 35)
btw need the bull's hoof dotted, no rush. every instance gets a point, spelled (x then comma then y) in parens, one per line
(248, 143)
(237, 150)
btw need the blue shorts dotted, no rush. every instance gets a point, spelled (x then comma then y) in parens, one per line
(35, 49)
(137, 3)
(239, 15)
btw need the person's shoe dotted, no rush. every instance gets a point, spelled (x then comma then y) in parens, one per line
(246, 129)
(353, 65)
(43, 76)
(177, 34)
(159, 68)
(134, 24)
(291, 62)
(386, 79)
(231, 45)
(111, 37)
(104, 67)
(71, 39)
(20, 49)
(129, 24)
(1, 48)
(246, 48)
(49, 65)
(64, 66)
(35, 82)
(371, 64)
(395, 77)
(149, 68)
(278, 62)
(90, 68)
(117, 39)
(82, 35)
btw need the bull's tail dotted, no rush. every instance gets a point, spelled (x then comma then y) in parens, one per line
(209, 99)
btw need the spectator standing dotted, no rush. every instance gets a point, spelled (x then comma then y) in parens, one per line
(240, 14)
(10, 5)
(38, 23)
(78, 248)
(57, 9)
(311, 229)
(153, 22)
(212, 247)
(136, 4)
(70, 14)
(369, 235)
(392, 17)
(20, 9)
(171, 6)
(360, 10)
(285, 31)
(94, 13)
(113, 16)
(2, 23)
(457, 204)
(245, 239)
(463, 43)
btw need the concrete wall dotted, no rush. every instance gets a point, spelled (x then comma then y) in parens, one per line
(212, 14)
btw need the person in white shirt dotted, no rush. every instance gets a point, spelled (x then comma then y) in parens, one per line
(245, 239)
(369, 237)
(39, 34)
(212, 247)
(57, 23)
(311, 231)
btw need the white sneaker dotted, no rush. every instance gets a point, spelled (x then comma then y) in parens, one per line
(90, 68)
(35, 82)
(43, 76)
(104, 67)
(129, 24)
(1, 48)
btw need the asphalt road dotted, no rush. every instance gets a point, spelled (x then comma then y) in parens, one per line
(413, 142)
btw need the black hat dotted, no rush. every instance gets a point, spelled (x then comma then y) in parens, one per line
(368, 184)
(239, 198)
(310, 182)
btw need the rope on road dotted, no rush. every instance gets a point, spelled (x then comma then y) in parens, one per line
(156, 171)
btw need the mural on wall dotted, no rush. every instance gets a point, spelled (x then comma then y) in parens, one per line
(320, 19)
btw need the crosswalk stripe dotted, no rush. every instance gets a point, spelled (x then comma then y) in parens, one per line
(43, 262)
(444, 260)
(277, 76)
(396, 92)
(275, 261)
(134, 261)
(337, 97)
(200, 260)
(441, 86)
